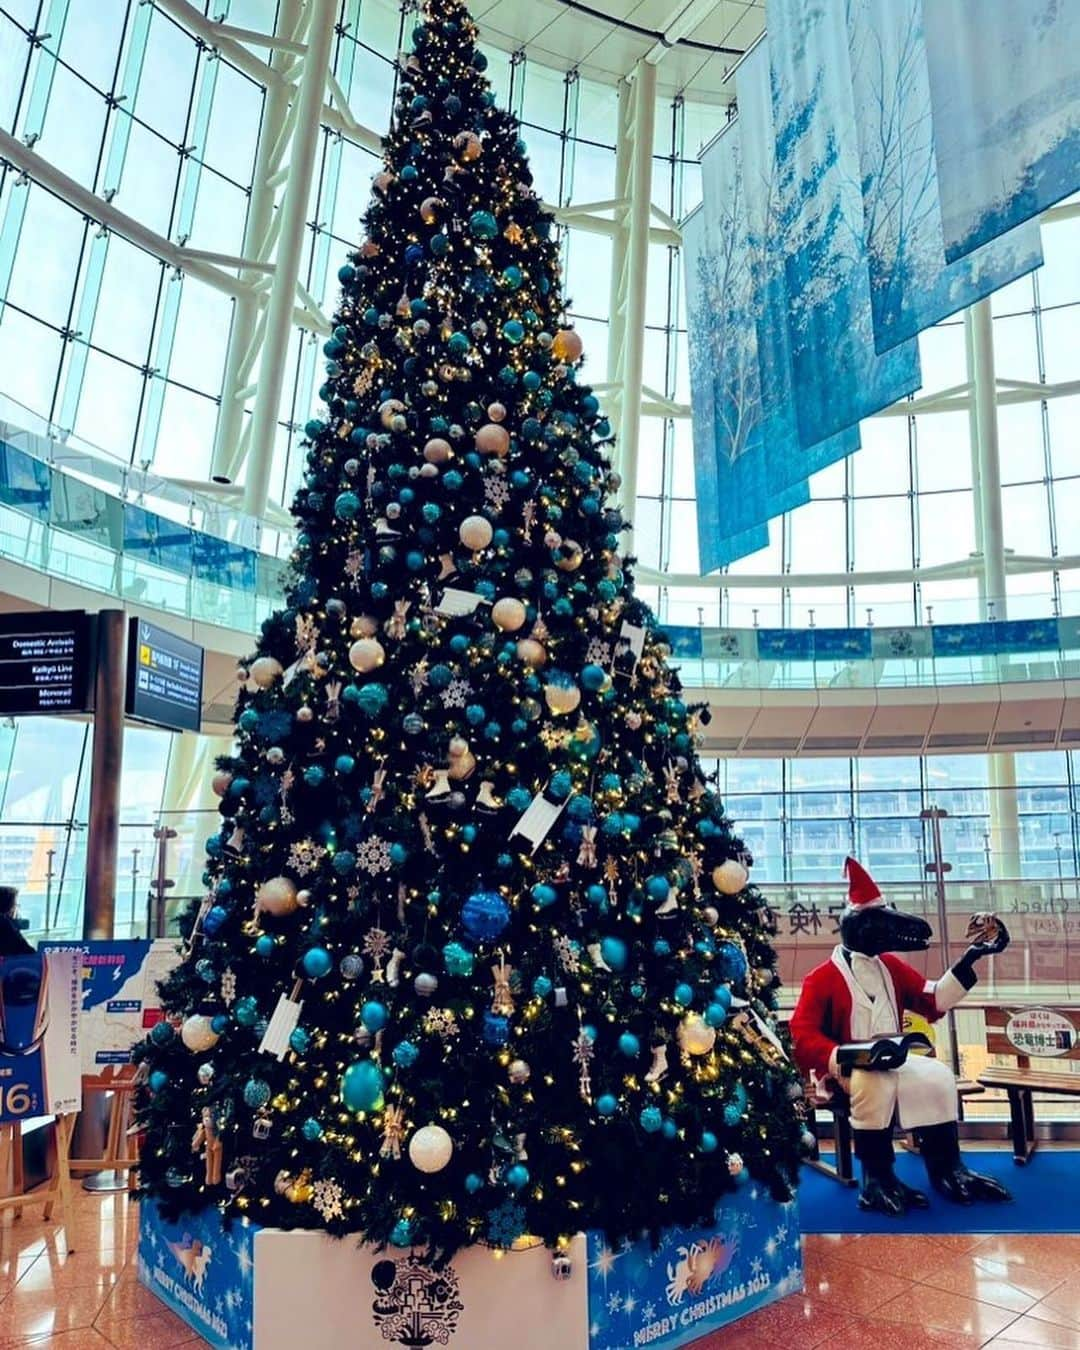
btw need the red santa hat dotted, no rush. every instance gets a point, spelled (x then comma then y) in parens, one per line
(862, 888)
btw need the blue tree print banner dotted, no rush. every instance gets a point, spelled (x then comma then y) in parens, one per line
(911, 284)
(1005, 86)
(839, 377)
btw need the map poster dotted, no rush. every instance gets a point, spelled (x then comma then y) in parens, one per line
(119, 996)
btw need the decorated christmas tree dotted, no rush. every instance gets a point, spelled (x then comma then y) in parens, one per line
(479, 956)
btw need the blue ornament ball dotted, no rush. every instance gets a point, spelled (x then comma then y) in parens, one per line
(484, 915)
(374, 1016)
(402, 1233)
(362, 1086)
(542, 986)
(606, 1104)
(517, 1176)
(730, 963)
(256, 1093)
(405, 1054)
(657, 888)
(593, 676)
(311, 1129)
(615, 953)
(722, 996)
(317, 963)
(346, 505)
(215, 917)
(544, 895)
(157, 1080)
(684, 994)
(246, 1011)
(709, 1142)
(651, 1119)
(496, 1028)
(669, 1129)
(299, 1040)
(264, 945)
(629, 1045)
(474, 1183)
(715, 1014)
(458, 959)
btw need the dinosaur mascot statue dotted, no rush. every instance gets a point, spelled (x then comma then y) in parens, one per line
(861, 994)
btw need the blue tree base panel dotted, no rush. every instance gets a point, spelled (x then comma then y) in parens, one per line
(240, 1289)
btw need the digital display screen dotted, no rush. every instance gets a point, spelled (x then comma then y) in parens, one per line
(164, 679)
(44, 663)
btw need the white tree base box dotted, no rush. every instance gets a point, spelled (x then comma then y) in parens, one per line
(252, 1288)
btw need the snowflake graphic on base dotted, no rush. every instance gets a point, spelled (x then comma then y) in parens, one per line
(614, 1303)
(506, 1223)
(373, 855)
(648, 1313)
(326, 1197)
(456, 694)
(598, 651)
(441, 1022)
(304, 856)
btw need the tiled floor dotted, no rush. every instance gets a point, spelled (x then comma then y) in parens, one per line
(877, 1293)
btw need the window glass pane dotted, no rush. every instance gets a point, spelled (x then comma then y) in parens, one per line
(74, 122)
(47, 259)
(202, 333)
(109, 407)
(186, 436)
(124, 318)
(30, 356)
(943, 450)
(92, 36)
(168, 74)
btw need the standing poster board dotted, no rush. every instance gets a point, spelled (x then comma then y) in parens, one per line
(118, 996)
(40, 1023)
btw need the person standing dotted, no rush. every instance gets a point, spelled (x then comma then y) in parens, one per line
(12, 942)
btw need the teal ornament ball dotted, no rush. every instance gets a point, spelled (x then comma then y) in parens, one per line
(256, 1093)
(614, 952)
(299, 1040)
(709, 1142)
(669, 1129)
(157, 1080)
(629, 1045)
(311, 1129)
(473, 1183)
(405, 1055)
(544, 895)
(346, 505)
(541, 986)
(362, 1086)
(374, 1016)
(715, 1014)
(458, 959)
(162, 1033)
(722, 997)
(651, 1119)
(317, 963)
(483, 225)
(684, 994)
(264, 945)
(657, 887)
(593, 676)
(402, 1233)
(606, 1104)
(513, 331)
(246, 1011)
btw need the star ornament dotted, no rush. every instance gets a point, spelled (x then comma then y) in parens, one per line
(513, 233)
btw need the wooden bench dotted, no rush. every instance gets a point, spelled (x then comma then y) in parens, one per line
(1024, 1034)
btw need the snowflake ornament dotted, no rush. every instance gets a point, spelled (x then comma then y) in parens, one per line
(373, 855)
(598, 651)
(506, 1223)
(567, 952)
(441, 1022)
(496, 492)
(456, 694)
(304, 856)
(326, 1197)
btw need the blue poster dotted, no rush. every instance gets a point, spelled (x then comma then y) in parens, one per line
(838, 377)
(157, 539)
(911, 284)
(24, 482)
(200, 1271)
(1005, 89)
(698, 1279)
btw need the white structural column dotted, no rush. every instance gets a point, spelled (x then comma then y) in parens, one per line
(990, 532)
(248, 314)
(279, 310)
(626, 349)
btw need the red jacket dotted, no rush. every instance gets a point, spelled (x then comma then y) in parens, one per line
(822, 1017)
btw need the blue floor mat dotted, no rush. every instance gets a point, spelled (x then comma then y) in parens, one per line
(1044, 1199)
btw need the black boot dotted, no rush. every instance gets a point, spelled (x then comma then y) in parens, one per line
(940, 1149)
(882, 1189)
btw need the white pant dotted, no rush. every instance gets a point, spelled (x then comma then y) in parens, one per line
(922, 1090)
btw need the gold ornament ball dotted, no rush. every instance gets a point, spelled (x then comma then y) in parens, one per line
(533, 653)
(492, 439)
(264, 671)
(467, 144)
(198, 1033)
(572, 556)
(437, 451)
(366, 655)
(562, 698)
(730, 877)
(519, 1071)
(277, 896)
(508, 614)
(430, 1148)
(429, 210)
(566, 345)
(696, 1037)
(475, 532)
(219, 784)
(497, 412)
(382, 181)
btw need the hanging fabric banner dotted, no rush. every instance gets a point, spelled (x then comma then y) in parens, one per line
(1005, 90)
(839, 378)
(749, 463)
(911, 284)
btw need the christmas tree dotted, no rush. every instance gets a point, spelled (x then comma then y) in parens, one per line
(479, 958)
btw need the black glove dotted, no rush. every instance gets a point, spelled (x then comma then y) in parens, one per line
(964, 969)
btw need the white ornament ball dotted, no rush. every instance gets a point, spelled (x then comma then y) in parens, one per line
(220, 782)
(497, 412)
(735, 1163)
(430, 1148)
(425, 984)
(475, 532)
(519, 1071)
(508, 614)
(730, 877)
(366, 655)
(696, 1037)
(533, 653)
(304, 713)
(437, 451)
(198, 1033)
(277, 896)
(205, 1074)
(264, 671)
(710, 915)
(492, 439)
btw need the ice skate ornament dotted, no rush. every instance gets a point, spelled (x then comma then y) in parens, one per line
(658, 1069)
(860, 995)
(393, 968)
